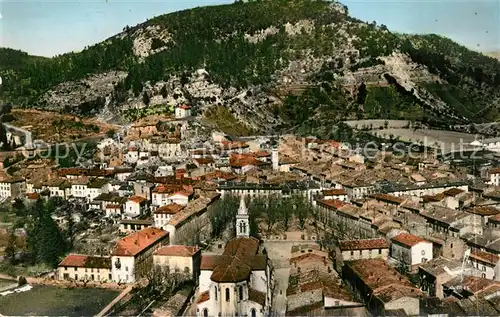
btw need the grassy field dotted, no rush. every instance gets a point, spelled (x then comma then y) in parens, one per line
(54, 301)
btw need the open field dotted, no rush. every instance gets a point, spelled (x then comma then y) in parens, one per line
(54, 127)
(54, 301)
(445, 140)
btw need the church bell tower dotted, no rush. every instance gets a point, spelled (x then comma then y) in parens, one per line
(242, 221)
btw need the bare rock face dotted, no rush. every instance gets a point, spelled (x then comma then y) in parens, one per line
(84, 97)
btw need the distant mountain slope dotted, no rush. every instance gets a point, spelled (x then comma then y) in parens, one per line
(298, 64)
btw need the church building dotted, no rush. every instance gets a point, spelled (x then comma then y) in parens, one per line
(238, 282)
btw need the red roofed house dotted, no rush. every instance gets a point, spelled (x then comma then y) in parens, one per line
(410, 250)
(335, 193)
(182, 111)
(163, 214)
(179, 258)
(238, 282)
(132, 256)
(136, 206)
(362, 249)
(80, 267)
(164, 195)
(486, 262)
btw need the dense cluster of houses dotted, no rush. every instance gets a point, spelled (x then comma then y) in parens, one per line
(410, 236)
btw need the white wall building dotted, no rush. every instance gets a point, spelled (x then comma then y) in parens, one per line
(182, 111)
(132, 256)
(410, 250)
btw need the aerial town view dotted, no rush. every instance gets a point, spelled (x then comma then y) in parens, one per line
(249, 158)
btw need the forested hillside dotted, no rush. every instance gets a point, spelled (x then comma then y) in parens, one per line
(272, 64)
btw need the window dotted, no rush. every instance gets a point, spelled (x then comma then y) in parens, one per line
(483, 275)
(65, 268)
(227, 294)
(253, 313)
(337, 303)
(484, 268)
(423, 252)
(352, 252)
(451, 245)
(240, 291)
(205, 312)
(215, 292)
(379, 251)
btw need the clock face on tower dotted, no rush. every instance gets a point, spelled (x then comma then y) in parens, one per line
(118, 264)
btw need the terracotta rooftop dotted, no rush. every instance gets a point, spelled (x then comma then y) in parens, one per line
(203, 297)
(453, 192)
(485, 257)
(185, 107)
(332, 203)
(236, 262)
(137, 199)
(32, 196)
(170, 209)
(173, 189)
(240, 160)
(177, 250)
(484, 210)
(384, 281)
(204, 160)
(137, 242)
(87, 261)
(388, 198)
(365, 244)
(408, 240)
(334, 192)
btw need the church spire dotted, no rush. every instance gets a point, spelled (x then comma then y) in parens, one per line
(243, 208)
(242, 220)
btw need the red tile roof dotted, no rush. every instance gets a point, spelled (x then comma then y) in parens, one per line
(408, 240)
(236, 262)
(365, 244)
(332, 203)
(137, 199)
(334, 192)
(170, 209)
(32, 196)
(204, 161)
(233, 145)
(388, 198)
(203, 297)
(177, 250)
(185, 107)
(80, 260)
(485, 257)
(262, 154)
(137, 242)
(484, 210)
(240, 160)
(453, 192)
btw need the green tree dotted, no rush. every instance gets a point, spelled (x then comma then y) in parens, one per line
(46, 243)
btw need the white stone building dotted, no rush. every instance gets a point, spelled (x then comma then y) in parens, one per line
(12, 187)
(410, 250)
(182, 111)
(80, 267)
(132, 256)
